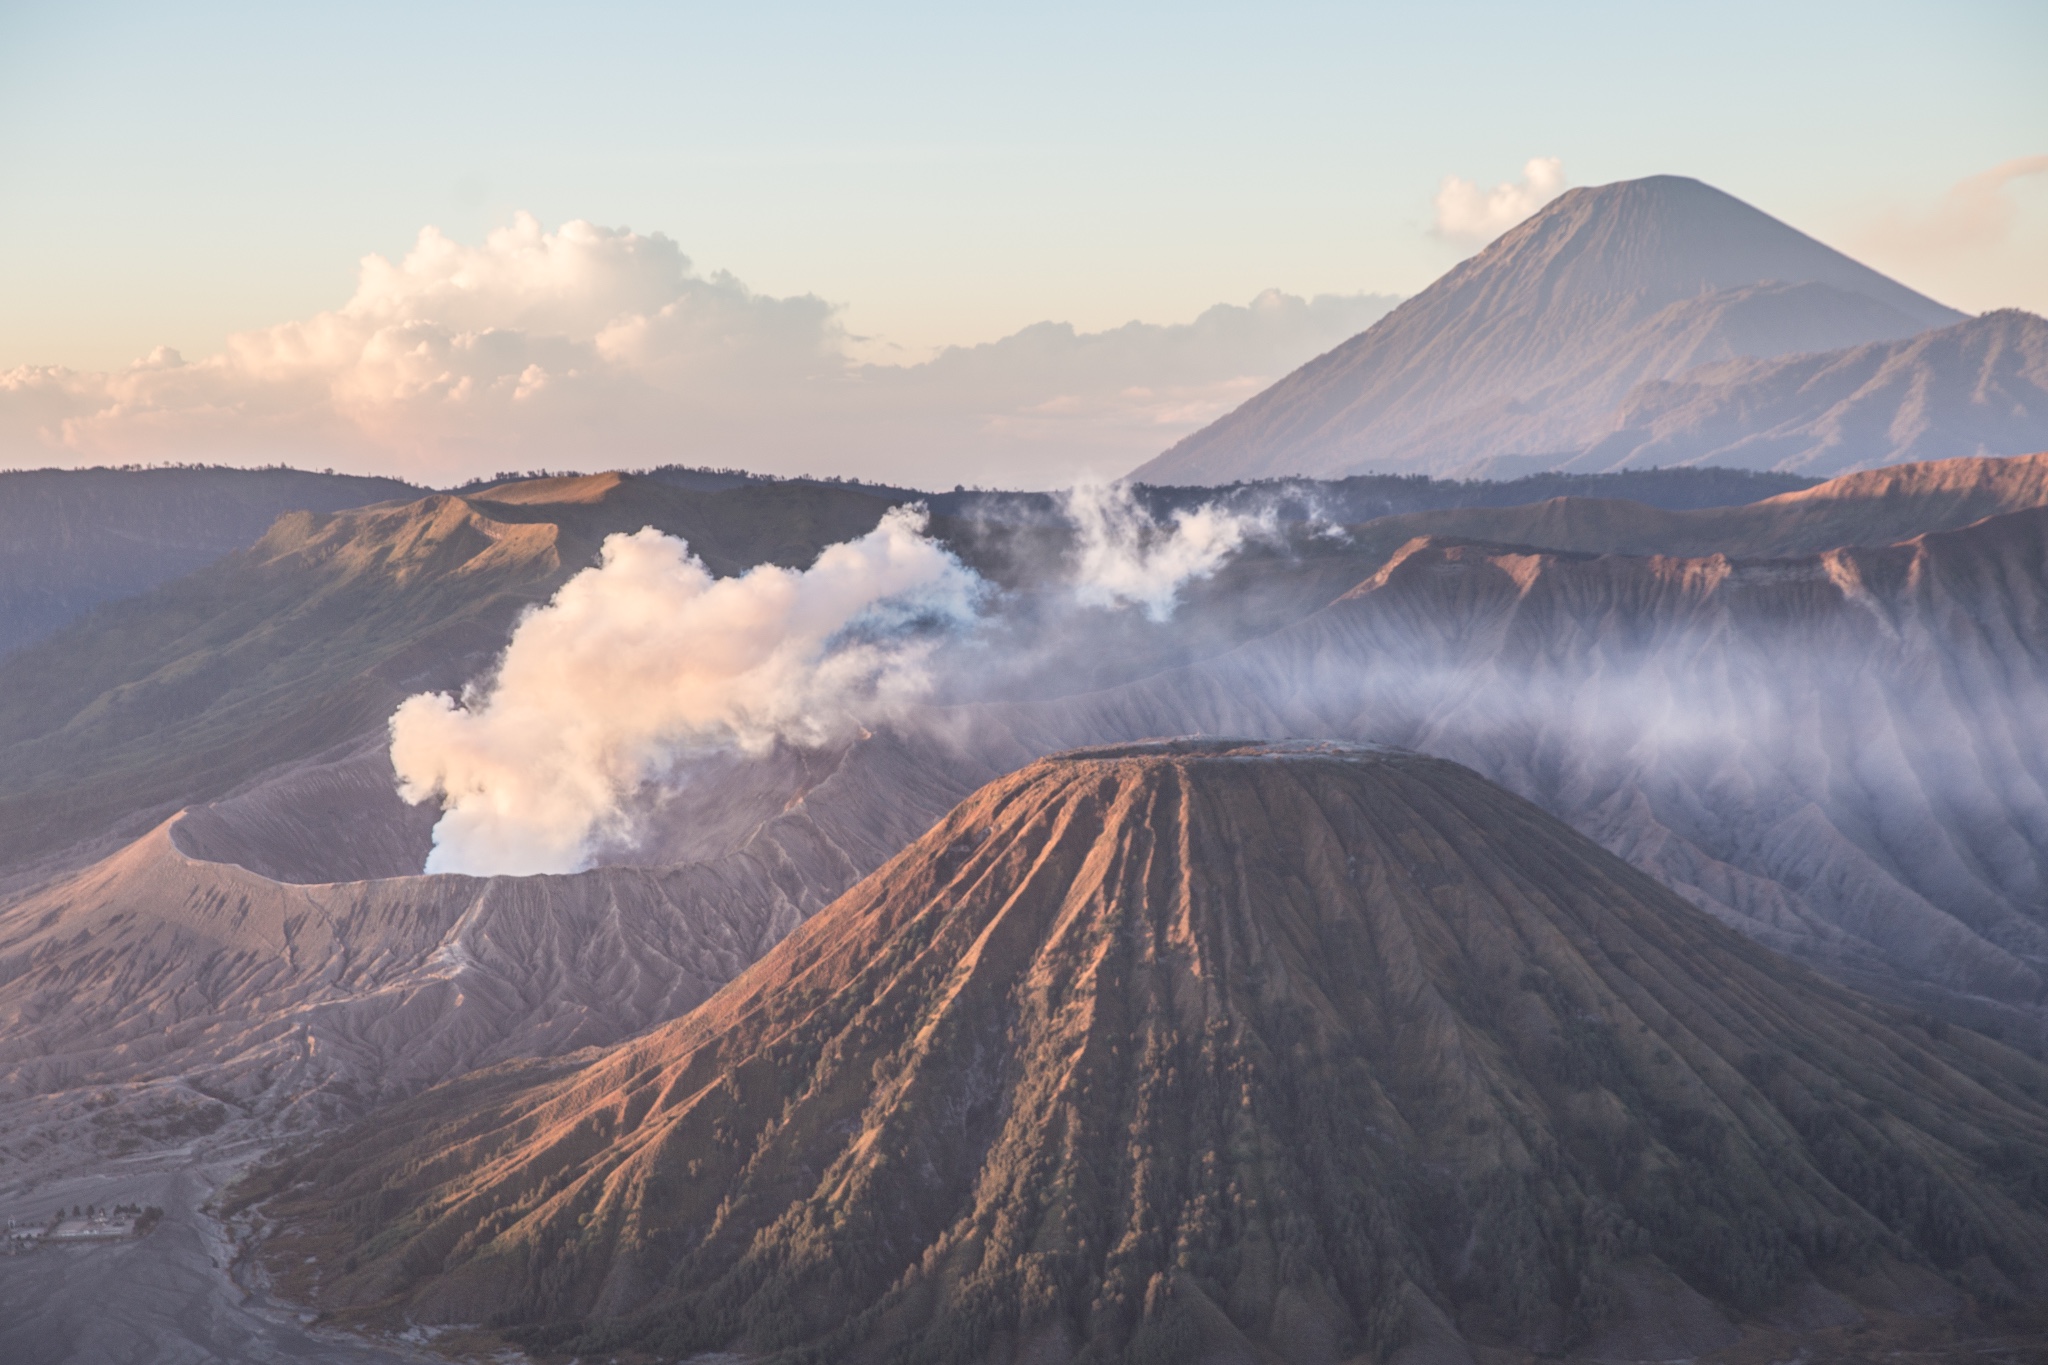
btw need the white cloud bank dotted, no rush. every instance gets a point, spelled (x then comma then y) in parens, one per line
(1466, 213)
(646, 658)
(601, 347)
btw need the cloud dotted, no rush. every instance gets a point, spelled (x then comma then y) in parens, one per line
(1124, 557)
(1982, 244)
(1048, 406)
(589, 346)
(647, 658)
(1973, 213)
(572, 342)
(1466, 213)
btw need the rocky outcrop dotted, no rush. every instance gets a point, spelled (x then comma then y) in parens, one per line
(1874, 507)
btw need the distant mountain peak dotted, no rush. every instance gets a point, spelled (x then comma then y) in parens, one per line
(1524, 349)
(1667, 237)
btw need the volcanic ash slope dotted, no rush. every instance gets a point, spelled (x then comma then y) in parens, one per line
(1207, 1050)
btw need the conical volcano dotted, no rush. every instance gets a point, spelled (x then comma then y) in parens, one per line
(1208, 1050)
(1525, 349)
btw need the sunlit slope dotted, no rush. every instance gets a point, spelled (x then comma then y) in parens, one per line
(1190, 1051)
(314, 635)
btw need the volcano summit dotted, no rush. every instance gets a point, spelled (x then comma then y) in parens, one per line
(1647, 322)
(1209, 1050)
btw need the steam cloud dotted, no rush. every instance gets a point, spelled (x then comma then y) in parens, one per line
(1123, 556)
(647, 657)
(1466, 213)
(647, 660)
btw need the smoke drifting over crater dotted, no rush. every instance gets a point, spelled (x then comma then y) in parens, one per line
(1124, 557)
(646, 658)
(647, 661)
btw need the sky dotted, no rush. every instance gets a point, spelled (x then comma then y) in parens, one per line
(861, 187)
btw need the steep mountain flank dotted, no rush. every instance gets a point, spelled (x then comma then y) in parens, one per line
(1526, 348)
(71, 539)
(1843, 754)
(1214, 1050)
(1979, 387)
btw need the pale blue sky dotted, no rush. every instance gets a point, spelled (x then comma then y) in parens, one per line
(170, 173)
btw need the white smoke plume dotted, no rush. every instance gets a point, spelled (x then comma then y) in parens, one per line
(646, 658)
(1124, 557)
(1466, 213)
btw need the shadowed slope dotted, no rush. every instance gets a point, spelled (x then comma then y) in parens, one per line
(1267, 588)
(306, 639)
(1204, 1051)
(1980, 386)
(71, 539)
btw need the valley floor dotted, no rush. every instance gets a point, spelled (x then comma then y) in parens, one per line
(179, 1295)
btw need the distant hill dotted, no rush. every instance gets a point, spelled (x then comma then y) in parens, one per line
(1364, 497)
(1977, 388)
(71, 539)
(1207, 1051)
(1526, 349)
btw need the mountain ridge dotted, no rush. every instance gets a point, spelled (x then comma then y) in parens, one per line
(1979, 387)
